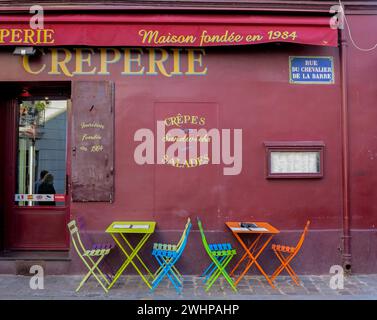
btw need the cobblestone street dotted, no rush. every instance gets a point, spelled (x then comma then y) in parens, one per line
(250, 288)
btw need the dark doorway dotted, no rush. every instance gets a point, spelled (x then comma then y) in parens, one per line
(36, 166)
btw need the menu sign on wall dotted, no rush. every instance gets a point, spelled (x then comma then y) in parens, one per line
(295, 162)
(92, 134)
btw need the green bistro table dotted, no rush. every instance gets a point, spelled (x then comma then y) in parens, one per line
(119, 230)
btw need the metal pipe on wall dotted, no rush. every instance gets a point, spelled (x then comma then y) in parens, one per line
(346, 252)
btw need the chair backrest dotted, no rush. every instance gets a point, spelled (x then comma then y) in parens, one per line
(183, 243)
(184, 232)
(84, 235)
(75, 236)
(303, 235)
(204, 240)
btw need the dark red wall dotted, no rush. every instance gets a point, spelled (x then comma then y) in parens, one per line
(362, 93)
(250, 88)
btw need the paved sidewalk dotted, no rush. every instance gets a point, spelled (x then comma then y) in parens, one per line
(132, 287)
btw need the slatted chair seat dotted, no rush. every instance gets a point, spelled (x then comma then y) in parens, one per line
(165, 253)
(102, 246)
(220, 246)
(164, 246)
(281, 248)
(221, 249)
(96, 252)
(224, 253)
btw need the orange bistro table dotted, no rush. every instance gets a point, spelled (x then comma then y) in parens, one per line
(263, 231)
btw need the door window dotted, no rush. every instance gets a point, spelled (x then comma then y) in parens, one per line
(42, 151)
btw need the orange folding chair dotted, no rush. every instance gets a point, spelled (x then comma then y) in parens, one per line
(285, 254)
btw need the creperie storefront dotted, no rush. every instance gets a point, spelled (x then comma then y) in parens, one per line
(266, 85)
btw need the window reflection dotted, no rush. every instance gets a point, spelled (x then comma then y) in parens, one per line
(41, 161)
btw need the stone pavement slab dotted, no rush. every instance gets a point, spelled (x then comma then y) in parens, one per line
(133, 288)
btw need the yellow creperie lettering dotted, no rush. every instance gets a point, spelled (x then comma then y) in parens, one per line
(28, 69)
(74, 62)
(156, 37)
(26, 36)
(59, 62)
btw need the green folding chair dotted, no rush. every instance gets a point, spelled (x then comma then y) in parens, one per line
(220, 254)
(89, 256)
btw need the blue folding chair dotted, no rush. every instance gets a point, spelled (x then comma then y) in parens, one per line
(167, 255)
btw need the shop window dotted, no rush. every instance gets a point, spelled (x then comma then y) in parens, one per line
(294, 159)
(41, 158)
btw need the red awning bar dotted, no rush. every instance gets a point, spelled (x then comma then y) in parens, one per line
(156, 30)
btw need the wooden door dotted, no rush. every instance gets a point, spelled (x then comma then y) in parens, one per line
(36, 141)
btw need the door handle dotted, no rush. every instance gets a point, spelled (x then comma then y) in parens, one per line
(67, 184)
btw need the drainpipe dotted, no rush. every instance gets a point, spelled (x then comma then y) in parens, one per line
(346, 252)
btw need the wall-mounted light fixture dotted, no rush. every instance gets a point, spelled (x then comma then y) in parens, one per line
(25, 51)
(25, 93)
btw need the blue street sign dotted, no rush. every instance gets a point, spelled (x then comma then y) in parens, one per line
(311, 70)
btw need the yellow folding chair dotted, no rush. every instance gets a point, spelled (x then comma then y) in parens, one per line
(286, 253)
(89, 256)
